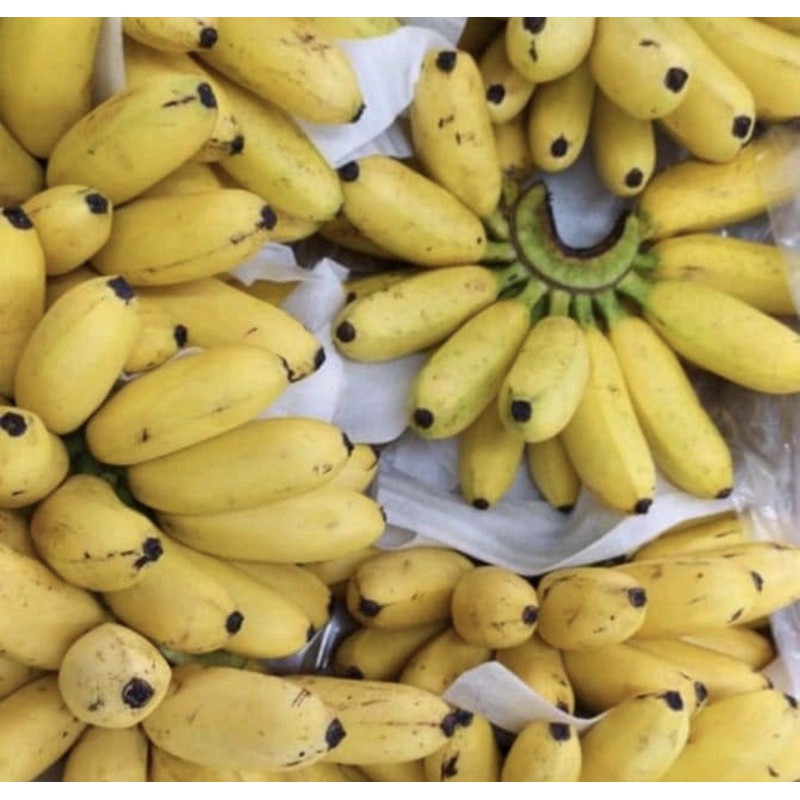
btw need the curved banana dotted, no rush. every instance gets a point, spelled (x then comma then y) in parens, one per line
(172, 34)
(108, 755)
(472, 754)
(21, 175)
(695, 535)
(506, 90)
(543, 751)
(552, 473)
(451, 129)
(753, 648)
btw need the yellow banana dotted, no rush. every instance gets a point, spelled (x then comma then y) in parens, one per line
(604, 439)
(784, 765)
(451, 129)
(472, 754)
(765, 58)
(494, 607)
(172, 34)
(409, 214)
(14, 674)
(161, 336)
(698, 534)
(637, 740)
(751, 647)
(360, 469)
(543, 751)
(586, 607)
(717, 116)
(45, 614)
(45, 77)
(76, 352)
(559, 115)
(417, 312)
(33, 459)
(313, 525)
(189, 178)
(405, 588)
(36, 729)
(215, 716)
(356, 27)
(87, 535)
(291, 63)
(108, 755)
(506, 90)
(340, 232)
(258, 462)
(552, 473)
(513, 150)
(215, 313)
(22, 289)
(623, 147)
(544, 49)
(21, 175)
(641, 46)
(157, 126)
(462, 375)
(756, 272)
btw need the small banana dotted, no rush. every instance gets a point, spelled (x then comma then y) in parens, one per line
(472, 754)
(543, 751)
(108, 755)
(699, 534)
(506, 90)
(172, 34)
(21, 175)
(552, 473)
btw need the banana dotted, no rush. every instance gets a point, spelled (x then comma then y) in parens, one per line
(441, 660)
(623, 147)
(488, 458)
(172, 34)
(157, 126)
(21, 175)
(559, 116)
(543, 49)
(544, 384)
(541, 667)
(22, 289)
(751, 647)
(340, 232)
(291, 63)
(76, 352)
(755, 272)
(258, 462)
(552, 473)
(161, 336)
(686, 444)
(721, 674)
(107, 755)
(722, 334)
(356, 27)
(698, 534)
(451, 129)
(693, 195)
(461, 376)
(45, 614)
(215, 313)
(15, 531)
(13, 674)
(36, 729)
(419, 311)
(383, 721)
(734, 739)
(513, 151)
(377, 654)
(88, 536)
(471, 754)
(113, 677)
(641, 46)
(405, 588)
(34, 461)
(360, 469)
(494, 607)
(637, 740)
(314, 525)
(73, 223)
(784, 765)
(587, 607)
(189, 178)
(46, 68)
(274, 292)
(409, 214)
(765, 58)
(604, 439)
(717, 116)
(543, 751)
(238, 719)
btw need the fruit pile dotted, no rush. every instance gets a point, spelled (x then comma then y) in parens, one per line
(166, 541)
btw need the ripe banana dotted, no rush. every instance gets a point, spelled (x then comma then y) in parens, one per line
(451, 129)
(314, 525)
(461, 376)
(513, 151)
(644, 47)
(559, 114)
(161, 336)
(696, 535)
(751, 647)
(188, 178)
(506, 90)
(240, 719)
(717, 116)
(543, 49)
(472, 754)
(637, 740)
(494, 607)
(258, 462)
(156, 126)
(405, 588)
(409, 214)
(360, 469)
(107, 755)
(552, 473)
(543, 751)
(291, 63)
(88, 536)
(340, 232)
(76, 352)
(21, 175)
(172, 34)
(45, 77)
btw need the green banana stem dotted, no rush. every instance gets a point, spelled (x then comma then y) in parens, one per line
(582, 310)
(609, 307)
(499, 253)
(531, 296)
(219, 658)
(645, 261)
(497, 225)
(511, 279)
(559, 303)
(636, 287)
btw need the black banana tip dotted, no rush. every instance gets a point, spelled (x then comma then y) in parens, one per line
(495, 94)
(560, 731)
(137, 693)
(345, 332)
(520, 410)
(349, 172)
(98, 203)
(634, 178)
(534, 24)
(234, 621)
(559, 147)
(13, 423)
(423, 418)
(643, 505)
(675, 79)
(637, 597)
(208, 38)
(446, 60)
(480, 503)
(529, 615)
(673, 699)
(17, 217)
